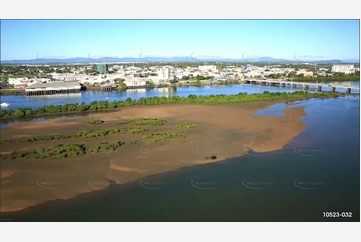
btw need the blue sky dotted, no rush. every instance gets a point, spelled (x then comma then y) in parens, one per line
(287, 39)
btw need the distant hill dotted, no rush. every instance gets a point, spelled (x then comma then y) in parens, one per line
(353, 61)
(170, 59)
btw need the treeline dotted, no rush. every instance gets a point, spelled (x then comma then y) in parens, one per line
(326, 79)
(191, 99)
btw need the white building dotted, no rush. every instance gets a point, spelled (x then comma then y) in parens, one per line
(16, 81)
(166, 73)
(347, 69)
(135, 83)
(212, 68)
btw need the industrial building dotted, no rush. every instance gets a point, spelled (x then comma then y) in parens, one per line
(53, 88)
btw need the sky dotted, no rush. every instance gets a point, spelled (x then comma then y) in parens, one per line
(286, 39)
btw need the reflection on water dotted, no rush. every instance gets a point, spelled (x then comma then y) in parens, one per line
(55, 96)
(39, 118)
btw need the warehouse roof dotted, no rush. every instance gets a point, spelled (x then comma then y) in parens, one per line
(56, 85)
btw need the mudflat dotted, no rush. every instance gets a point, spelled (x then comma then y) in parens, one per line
(223, 131)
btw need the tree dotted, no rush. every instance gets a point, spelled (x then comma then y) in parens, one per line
(150, 84)
(123, 86)
(19, 113)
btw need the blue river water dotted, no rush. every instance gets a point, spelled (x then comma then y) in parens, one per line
(87, 97)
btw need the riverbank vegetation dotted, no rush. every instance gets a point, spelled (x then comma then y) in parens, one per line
(55, 152)
(94, 122)
(64, 151)
(130, 130)
(153, 138)
(337, 77)
(105, 147)
(191, 99)
(84, 134)
(144, 121)
(186, 126)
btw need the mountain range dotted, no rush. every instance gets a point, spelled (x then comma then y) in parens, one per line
(171, 59)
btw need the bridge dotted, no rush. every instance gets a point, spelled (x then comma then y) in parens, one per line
(304, 85)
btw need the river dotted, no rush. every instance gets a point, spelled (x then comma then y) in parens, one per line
(22, 101)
